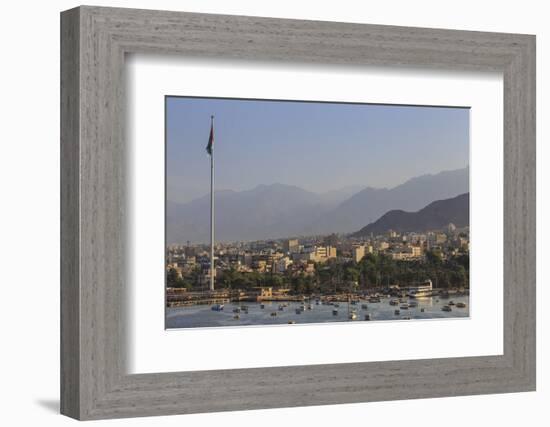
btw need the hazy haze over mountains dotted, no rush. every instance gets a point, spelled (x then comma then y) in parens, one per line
(369, 204)
(436, 215)
(279, 210)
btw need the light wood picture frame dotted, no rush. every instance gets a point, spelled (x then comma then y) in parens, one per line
(94, 42)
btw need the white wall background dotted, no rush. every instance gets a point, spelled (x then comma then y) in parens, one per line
(29, 213)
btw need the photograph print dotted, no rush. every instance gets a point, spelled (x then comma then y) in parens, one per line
(302, 212)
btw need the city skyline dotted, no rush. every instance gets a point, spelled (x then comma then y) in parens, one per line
(295, 143)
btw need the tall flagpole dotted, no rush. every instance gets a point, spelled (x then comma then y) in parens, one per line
(212, 266)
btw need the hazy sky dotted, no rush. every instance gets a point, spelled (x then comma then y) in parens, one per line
(315, 146)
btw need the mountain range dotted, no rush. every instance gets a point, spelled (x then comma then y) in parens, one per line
(369, 204)
(435, 216)
(280, 210)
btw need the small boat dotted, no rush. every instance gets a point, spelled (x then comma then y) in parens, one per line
(261, 305)
(394, 302)
(404, 306)
(291, 322)
(273, 313)
(397, 312)
(299, 311)
(413, 304)
(446, 308)
(367, 317)
(422, 310)
(309, 307)
(217, 307)
(374, 299)
(352, 316)
(236, 310)
(335, 312)
(236, 317)
(451, 302)
(336, 305)
(406, 318)
(461, 305)
(281, 307)
(364, 306)
(317, 302)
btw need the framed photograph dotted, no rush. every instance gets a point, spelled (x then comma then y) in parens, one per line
(261, 213)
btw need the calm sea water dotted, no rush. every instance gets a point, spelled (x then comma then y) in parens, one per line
(204, 316)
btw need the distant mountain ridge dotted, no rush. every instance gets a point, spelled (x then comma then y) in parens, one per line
(370, 203)
(280, 210)
(435, 216)
(266, 211)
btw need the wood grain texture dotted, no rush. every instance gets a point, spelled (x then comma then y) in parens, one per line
(70, 220)
(94, 239)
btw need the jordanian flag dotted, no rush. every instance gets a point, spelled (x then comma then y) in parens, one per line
(211, 138)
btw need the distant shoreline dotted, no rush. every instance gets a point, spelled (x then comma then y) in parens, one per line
(185, 299)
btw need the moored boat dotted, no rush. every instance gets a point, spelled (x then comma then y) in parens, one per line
(421, 290)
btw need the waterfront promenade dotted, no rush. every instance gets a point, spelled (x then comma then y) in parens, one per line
(183, 298)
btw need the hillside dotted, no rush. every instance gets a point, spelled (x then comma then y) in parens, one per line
(369, 204)
(434, 216)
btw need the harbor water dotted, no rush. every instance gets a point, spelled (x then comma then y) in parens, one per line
(203, 315)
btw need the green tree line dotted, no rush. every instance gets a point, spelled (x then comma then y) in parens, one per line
(334, 276)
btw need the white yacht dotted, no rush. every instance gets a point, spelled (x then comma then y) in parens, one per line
(422, 290)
